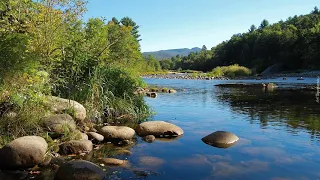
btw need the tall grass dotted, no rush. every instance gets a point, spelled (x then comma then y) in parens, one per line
(107, 87)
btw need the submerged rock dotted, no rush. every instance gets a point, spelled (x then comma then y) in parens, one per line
(79, 170)
(151, 161)
(117, 133)
(158, 128)
(124, 151)
(76, 147)
(60, 105)
(149, 138)
(24, 152)
(58, 123)
(221, 139)
(114, 162)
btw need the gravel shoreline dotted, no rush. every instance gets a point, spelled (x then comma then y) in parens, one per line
(312, 74)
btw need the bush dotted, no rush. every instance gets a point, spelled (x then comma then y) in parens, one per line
(22, 103)
(230, 71)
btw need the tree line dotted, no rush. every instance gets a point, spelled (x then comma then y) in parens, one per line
(292, 45)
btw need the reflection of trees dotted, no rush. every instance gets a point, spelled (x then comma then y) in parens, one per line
(296, 109)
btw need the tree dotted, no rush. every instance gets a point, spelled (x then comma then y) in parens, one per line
(315, 10)
(292, 44)
(128, 22)
(264, 24)
(204, 48)
(252, 28)
(115, 21)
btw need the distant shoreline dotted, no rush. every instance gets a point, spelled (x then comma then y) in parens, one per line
(202, 76)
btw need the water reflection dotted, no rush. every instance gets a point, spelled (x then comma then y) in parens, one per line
(295, 109)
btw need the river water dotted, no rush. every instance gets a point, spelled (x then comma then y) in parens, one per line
(279, 134)
(278, 130)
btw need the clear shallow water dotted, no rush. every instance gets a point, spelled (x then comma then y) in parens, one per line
(279, 132)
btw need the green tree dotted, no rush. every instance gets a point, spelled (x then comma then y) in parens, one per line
(264, 24)
(128, 22)
(115, 21)
(252, 28)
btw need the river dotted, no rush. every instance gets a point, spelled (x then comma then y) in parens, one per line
(279, 133)
(278, 130)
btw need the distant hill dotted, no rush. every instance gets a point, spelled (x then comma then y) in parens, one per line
(172, 52)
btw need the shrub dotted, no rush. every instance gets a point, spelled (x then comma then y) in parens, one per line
(230, 71)
(22, 103)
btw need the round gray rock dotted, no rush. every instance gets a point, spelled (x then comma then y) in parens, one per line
(76, 147)
(79, 170)
(117, 132)
(23, 152)
(95, 136)
(58, 123)
(158, 128)
(60, 105)
(221, 139)
(149, 138)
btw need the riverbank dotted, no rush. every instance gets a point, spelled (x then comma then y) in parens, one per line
(205, 76)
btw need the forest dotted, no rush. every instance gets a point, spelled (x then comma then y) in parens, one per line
(291, 45)
(46, 48)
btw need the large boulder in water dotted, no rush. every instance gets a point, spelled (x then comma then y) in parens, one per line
(221, 139)
(117, 133)
(24, 152)
(58, 123)
(158, 128)
(60, 105)
(79, 170)
(76, 147)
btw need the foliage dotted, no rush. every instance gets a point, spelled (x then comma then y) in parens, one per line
(230, 71)
(47, 49)
(23, 104)
(292, 45)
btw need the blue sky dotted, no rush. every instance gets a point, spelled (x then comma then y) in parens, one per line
(170, 24)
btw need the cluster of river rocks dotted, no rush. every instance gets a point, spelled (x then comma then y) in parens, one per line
(183, 76)
(30, 151)
(152, 92)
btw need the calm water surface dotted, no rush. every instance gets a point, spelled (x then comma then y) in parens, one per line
(279, 132)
